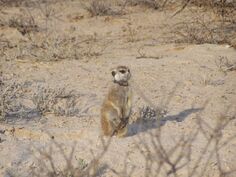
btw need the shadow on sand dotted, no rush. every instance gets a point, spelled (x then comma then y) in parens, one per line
(142, 126)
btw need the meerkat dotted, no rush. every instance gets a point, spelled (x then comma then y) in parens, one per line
(116, 108)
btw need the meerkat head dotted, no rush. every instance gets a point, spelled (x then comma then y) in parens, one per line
(121, 75)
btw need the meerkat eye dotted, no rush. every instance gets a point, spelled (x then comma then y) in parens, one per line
(113, 73)
(122, 71)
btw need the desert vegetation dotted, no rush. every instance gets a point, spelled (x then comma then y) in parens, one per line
(55, 61)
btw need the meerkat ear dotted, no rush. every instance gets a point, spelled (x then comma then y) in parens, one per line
(128, 70)
(113, 73)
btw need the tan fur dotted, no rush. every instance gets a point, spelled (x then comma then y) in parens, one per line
(116, 108)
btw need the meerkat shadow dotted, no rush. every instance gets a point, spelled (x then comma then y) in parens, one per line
(145, 125)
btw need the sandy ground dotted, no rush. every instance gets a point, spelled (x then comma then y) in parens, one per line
(184, 79)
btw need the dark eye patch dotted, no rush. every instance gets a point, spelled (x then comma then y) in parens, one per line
(122, 71)
(113, 73)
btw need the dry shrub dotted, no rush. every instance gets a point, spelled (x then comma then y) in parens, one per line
(50, 12)
(53, 48)
(147, 113)
(211, 22)
(11, 2)
(57, 47)
(57, 101)
(12, 94)
(25, 3)
(8, 103)
(198, 31)
(26, 101)
(154, 4)
(101, 8)
(48, 166)
(223, 8)
(219, 7)
(224, 65)
(24, 25)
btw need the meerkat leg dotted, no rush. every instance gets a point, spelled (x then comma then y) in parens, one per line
(109, 121)
(106, 127)
(122, 131)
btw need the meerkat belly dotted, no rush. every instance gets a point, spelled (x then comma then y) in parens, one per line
(127, 105)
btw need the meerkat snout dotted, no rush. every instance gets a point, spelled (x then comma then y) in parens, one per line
(121, 74)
